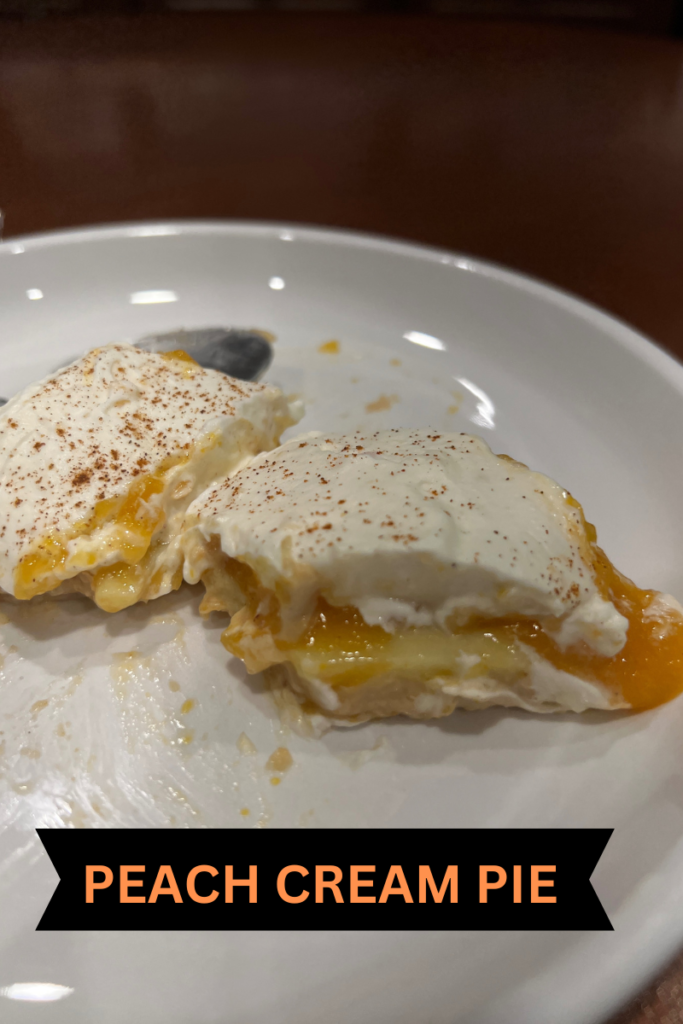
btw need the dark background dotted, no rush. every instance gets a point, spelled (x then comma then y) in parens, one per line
(554, 149)
(640, 15)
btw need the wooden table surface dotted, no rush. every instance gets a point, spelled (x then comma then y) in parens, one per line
(556, 151)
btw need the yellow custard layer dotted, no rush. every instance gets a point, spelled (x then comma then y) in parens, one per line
(339, 648)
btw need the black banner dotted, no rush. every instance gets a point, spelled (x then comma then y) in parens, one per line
(324, 879)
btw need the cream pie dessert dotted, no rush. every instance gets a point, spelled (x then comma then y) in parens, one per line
(99, 462)
(412, 572)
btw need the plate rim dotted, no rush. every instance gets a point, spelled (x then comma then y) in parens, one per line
(654, 353)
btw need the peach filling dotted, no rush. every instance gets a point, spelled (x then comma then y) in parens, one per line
(339, 648)
(188, 366)
(130, 522)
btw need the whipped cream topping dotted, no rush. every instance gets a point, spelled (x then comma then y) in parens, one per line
(87, 433)
(412, 527)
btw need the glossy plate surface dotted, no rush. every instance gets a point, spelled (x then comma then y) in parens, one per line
(134, 719)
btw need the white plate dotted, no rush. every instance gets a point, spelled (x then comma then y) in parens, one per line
(541, 376)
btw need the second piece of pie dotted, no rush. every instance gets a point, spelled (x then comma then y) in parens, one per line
(99, 462)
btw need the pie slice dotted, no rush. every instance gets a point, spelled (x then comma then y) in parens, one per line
(411, 572)
(99, 462)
